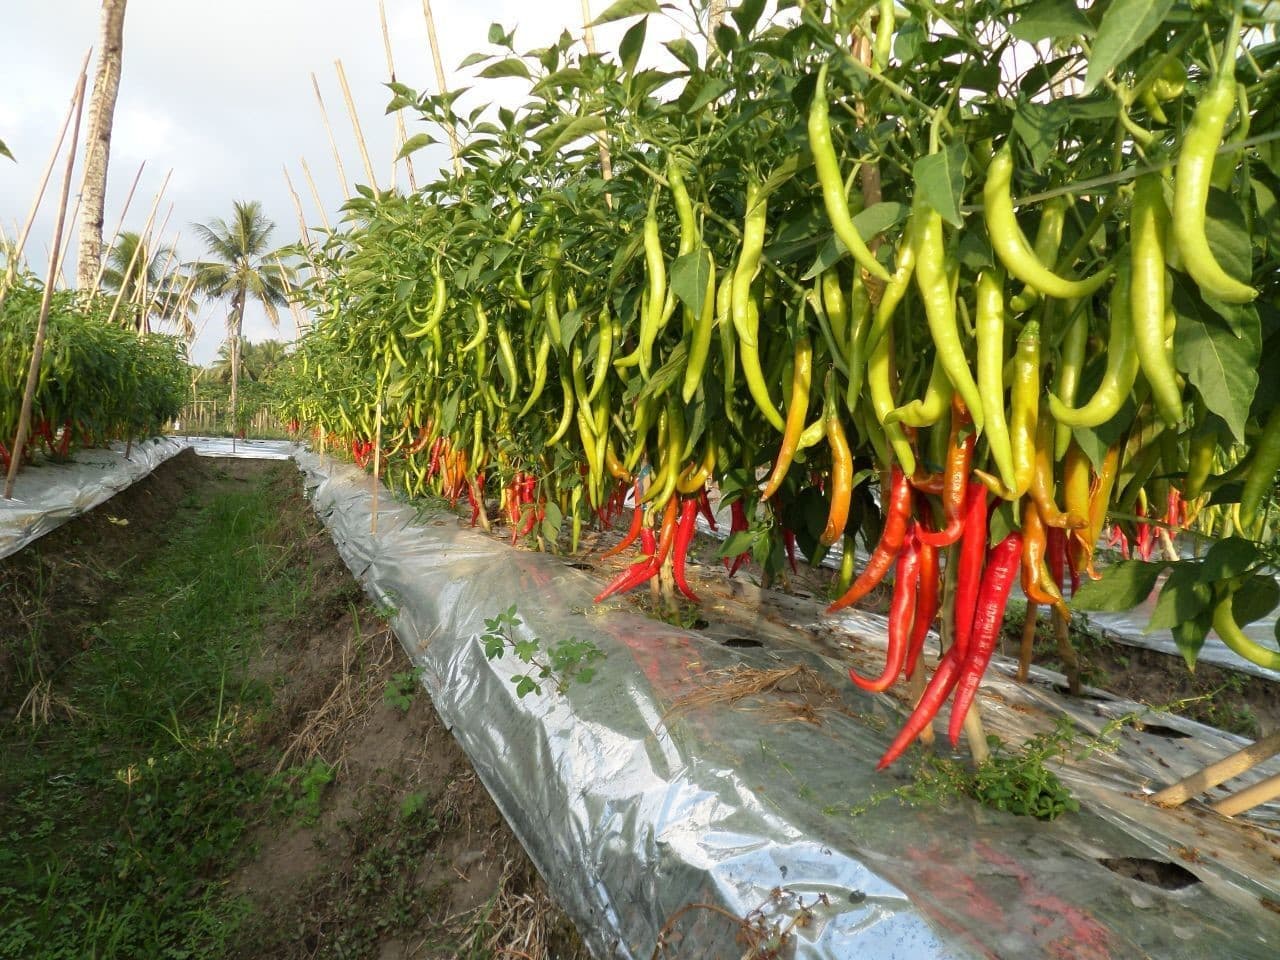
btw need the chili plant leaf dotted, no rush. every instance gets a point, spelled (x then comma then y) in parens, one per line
(1183, 597)
(415, 143)
(632, 44)
(4, 151)
(510, 67)
(940, 179)
(1122, 587)
(623, 9)
(689, 276)
(1189, 636)
(1221, 365)
(1258, 597)
(1125, 26)
(1229, 558)
(1048, 20)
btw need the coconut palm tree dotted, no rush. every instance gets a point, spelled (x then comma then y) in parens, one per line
(151, 281)
(242, 265)
(102, 108)
(257, 360)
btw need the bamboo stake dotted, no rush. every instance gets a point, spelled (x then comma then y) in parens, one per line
(62, 254)
(449, 126)
(1209, 777)
(46, 297)
(303, 232)
(164, 269)
(355, 125)
(606, 162)
(11, 268)
(402, 134)
(146, 228)
(144, 246)
(1249, 797)
(102, 265)
(315, 195)
(333, 144)
(299, 318)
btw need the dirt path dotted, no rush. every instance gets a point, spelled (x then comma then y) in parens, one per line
(348, 821)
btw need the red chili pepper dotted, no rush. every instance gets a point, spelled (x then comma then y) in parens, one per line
(685, 529)
(1056, 554)
(959, 466)
(901, 613)
(704, 505)
(935, 694)
(927, 600)
(1146, 538)
(973, 548)
(789, 541)
(1003, 565)
(475, 503)
(637, 519)
(739, 513)
(897, 516)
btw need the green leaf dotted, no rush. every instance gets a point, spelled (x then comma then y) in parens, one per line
(473, 58)
(575, 129)
(1258, 597)
(552, 522)
(1228, 235)
(690, 274)
(908, 41)
(684, 51)
(1122, 587)
(510, 67)
(1048, 20)
(940, 179)
(632, 44)
(623, 9)
(738, 543)
(497, 34)
(1037, 126)
(1189, 636)
(1124, 28)
(1183, 597)
(4, 151)
(415, 143)
(667, 375)
(747, 14)
(525, 685)
(1229, 558)
(710, 89)
(1221, 365)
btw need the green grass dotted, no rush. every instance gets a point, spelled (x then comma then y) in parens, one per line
(120, 821)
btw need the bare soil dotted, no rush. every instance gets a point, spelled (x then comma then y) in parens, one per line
(402, 854)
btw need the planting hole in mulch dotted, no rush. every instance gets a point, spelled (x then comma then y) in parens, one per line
(1157, 873)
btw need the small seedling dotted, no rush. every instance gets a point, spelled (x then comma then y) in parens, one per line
(564, 663)
(400, 689)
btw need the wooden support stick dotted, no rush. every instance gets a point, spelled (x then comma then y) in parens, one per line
(315, 195)
(449, 127)
(1249, 797)
(606, 162)
(146, 228)
(402, 134)
(102, 264)
(62, 254)
(355, 124)
(46, 297)
(1237, 763)
(15, 256)
(333, 144)
(144, 250)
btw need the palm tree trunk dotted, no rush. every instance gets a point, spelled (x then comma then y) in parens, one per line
(106, 84)
(237, 324)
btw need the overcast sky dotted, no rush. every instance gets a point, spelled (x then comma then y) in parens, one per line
(220, 93)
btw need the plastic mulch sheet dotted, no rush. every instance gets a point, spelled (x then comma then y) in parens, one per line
(758, 806)
(47, 495)
(242, 449)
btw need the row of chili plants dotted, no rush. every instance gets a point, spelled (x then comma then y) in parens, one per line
(1013, 267)
(97, 382)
